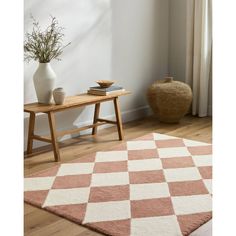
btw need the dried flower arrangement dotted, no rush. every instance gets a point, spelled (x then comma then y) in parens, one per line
(43, 46)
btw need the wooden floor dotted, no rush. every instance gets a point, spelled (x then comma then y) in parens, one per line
(38, 222)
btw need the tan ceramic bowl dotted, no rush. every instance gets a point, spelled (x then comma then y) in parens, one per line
(105, 83)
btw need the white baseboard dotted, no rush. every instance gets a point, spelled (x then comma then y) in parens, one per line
(127, 116)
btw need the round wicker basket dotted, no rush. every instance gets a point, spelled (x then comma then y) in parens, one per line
(170, 100)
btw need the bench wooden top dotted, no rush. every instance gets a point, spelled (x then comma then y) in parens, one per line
(71, 101)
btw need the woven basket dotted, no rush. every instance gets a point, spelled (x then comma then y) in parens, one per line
(170, 100)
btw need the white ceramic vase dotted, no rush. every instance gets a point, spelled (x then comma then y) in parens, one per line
(44, 82)
(59, 95)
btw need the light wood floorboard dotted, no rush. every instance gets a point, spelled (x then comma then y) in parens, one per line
(38, 222)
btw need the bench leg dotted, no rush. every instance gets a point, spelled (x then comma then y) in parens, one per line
(118, 118)
(31, 133)
(96, 115)
(52, 125)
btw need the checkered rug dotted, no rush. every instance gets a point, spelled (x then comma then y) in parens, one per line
(154, 185)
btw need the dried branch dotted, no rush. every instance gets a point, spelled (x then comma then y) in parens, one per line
(43, 46)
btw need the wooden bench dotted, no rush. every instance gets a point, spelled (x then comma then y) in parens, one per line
(71, 102)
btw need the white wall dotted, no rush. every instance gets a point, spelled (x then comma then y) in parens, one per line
(88, 26)
(129, 46)
(140, 45)
(177, 38)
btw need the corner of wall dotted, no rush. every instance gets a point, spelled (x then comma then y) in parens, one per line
(168, 36)
(177, 39)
